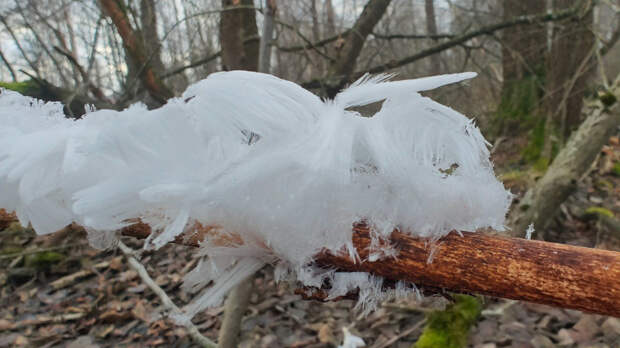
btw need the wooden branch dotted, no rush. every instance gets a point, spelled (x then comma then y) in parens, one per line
(554, 274)
(548, 273)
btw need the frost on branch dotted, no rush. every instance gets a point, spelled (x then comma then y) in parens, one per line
(272, 171)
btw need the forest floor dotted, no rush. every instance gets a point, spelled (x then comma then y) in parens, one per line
(56, 291)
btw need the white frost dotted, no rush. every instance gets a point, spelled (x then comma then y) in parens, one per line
(530, 230)
(265, 160)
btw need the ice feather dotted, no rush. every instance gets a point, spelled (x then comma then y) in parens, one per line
(272, 165)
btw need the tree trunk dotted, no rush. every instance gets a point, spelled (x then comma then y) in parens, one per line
(542, 201)
(240, 51)
(524, 47)
(431, 29)
(330, 19)
(264, 58)
(137, 54)
(523, 56)
(239, 36)
(568, 70)
(346, 56)
(148, 33)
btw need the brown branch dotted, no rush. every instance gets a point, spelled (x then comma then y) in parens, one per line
(548, 273)
(313, 45)
(192, 65)
(412, 36)
(97, 92)
(8, 66)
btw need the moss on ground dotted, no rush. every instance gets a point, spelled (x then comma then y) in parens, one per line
(615, 170)
(596, 212)
(450, 328)
(43, 260)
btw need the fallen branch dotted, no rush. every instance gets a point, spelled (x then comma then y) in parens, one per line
(554, 274)
(192, 330)
(46, 319)
(68, 280)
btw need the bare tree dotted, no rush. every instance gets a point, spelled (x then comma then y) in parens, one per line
(133, 43)
(239, 36)
(431, 28)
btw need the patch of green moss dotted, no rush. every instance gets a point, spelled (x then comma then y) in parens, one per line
(517, 109)
(8, 250)
(17, 228)
(44, 259)
(608, 99)
(513, 175)
(604, 185)
(615, 170)
(519, 97)
(21, 87)
(599, 211)
(450, 328)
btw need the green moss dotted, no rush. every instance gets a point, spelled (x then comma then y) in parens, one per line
(8, 250)
(519, 101)
(615, 170)
(450, 328)
(519, 98)
(608, 99)
(599, 211)
(604, 185)
(44, 259)
(17, 228)
(24, 88)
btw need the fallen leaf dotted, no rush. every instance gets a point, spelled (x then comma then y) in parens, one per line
(5, 325)
(325, 335)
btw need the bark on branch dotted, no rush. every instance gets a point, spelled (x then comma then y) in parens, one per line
(548, 273)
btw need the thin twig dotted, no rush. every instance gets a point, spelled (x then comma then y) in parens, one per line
(401, 335)
(192, 330)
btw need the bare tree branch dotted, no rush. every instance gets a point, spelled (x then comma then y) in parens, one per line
(153, 84)
(458, 40)
(8, 66)
(192, 330)
(94, 89)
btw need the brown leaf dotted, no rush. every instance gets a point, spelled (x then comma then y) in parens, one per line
(113, 316)
(140, 312)
(21, 341)
(105, 332)
(5, 325)
(325, 335)
(83, 342)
